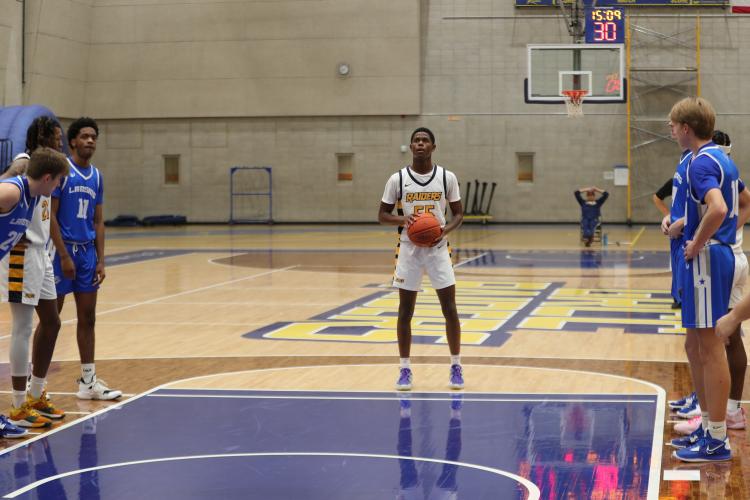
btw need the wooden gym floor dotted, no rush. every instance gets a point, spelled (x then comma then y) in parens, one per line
(542, 316)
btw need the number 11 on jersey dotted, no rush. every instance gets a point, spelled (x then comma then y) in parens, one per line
(83, 208)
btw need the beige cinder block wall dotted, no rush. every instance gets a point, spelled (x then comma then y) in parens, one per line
(10, 53)
(254, 83)
(57, 54)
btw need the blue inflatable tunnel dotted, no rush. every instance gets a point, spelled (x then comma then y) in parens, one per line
(14, 122)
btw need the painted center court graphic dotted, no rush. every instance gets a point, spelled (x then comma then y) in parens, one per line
(343, 445)
(490, 312)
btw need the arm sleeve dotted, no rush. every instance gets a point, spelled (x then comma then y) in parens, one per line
(390, 195)
(578, 197)
(665, 191)
(602, 199)
(452, 190)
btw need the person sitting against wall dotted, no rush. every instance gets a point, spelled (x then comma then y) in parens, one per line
(591, 211)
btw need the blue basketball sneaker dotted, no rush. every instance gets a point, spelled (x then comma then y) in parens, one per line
(404, 380)
(10, 431)
(457, 377)
(689, 440)
(676, 404)
(707, 449)
(691, 410)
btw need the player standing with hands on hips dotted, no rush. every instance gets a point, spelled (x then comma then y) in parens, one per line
(424, 188)
(711, 212)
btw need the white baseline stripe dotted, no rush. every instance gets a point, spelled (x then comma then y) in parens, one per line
(533, 490)
(682, 475)
(362, 398)
(470, 260)
(368, 391)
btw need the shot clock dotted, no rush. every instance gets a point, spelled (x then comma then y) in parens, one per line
(605, 25)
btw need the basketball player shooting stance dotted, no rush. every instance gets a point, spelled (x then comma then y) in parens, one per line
(424, 187)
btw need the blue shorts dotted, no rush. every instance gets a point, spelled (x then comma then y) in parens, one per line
(707, 286)
(588, 226)
(677, 256)
(84, 260)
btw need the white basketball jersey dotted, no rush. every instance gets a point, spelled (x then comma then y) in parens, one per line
(38, 231)
(428, 193)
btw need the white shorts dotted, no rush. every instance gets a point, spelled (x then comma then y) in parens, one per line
(740, 279)
(414, 261)
(31, 278)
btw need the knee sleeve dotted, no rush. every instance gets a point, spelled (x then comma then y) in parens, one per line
(20, 339)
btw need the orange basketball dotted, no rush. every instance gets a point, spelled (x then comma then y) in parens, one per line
(425, 230)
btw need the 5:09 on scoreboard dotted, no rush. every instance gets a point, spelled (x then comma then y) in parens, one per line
(605, 25)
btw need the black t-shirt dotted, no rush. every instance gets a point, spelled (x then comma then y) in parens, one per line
(665, 191)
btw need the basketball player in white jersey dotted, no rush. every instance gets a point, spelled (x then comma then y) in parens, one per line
(27, 282)
(424, 187)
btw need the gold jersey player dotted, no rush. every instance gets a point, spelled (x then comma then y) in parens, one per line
(404, 191)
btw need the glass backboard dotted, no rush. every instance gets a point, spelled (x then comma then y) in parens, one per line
(596, 68)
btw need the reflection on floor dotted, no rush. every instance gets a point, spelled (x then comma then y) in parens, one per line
(345, 445)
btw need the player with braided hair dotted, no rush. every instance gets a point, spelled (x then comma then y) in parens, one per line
(27, 282)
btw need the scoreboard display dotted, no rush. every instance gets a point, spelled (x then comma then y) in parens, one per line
(629, 3)
(605, 25)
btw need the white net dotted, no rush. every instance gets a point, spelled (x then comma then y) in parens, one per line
(574, 102)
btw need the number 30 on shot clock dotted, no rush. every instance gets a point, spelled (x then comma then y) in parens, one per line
(605, 25)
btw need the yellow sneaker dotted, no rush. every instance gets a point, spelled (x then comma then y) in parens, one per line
(26, 416)
(45, 407)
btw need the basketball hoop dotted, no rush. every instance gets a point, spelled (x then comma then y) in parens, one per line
(574, 101)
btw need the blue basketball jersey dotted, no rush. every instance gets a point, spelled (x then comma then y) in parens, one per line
(710, 169)
(679, 187)
(81, 191)
(13, 224)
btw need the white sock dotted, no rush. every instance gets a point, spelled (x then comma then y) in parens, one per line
(456, 360)
(733, 405)
(404, 363)
(19, 398)
(718, 430)
(704, 420)
(88, 372)
(36, 387)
